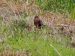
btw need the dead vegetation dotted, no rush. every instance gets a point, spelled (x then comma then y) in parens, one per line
(15, 53)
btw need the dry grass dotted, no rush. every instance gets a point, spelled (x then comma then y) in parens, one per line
(15, 53)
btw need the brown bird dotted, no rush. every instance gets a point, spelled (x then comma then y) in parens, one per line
(37, 22)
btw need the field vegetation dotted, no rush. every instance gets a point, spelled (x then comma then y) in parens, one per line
(19, 37)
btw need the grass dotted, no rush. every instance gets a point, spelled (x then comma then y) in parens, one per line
(38, 43)
(60, 6)
(38, 46)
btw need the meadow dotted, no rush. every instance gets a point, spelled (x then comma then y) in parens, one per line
(16, 40)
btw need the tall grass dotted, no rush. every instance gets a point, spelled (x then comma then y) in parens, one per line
(37, 43)
(62, 6)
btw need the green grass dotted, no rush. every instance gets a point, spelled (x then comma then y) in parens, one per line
(61, 6)
(39, 46)
(38, 43)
